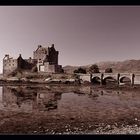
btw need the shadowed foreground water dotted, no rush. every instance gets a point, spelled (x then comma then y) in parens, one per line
(65, 109)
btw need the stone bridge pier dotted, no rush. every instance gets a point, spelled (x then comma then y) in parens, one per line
(137, 79)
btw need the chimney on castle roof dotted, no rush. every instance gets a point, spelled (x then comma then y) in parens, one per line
(39, 46)
(7, 55)
(52, 45)
(20, 57)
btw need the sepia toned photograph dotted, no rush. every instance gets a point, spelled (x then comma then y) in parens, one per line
(69, 70)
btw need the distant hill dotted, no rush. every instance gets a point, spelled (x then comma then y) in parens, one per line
(119, 66)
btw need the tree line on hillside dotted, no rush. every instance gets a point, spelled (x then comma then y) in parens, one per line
(93, 69)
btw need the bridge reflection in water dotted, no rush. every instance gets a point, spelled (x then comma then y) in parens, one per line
(30, 99)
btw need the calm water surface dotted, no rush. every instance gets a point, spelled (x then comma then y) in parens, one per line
(80, 102)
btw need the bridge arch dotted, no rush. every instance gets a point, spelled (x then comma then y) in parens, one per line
(109, 79)
(96, 80)
(125, 79)
(102, 78)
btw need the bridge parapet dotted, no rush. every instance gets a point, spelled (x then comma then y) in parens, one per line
(96, 75)
(137, 74)
(84, 77)
(125, 74)
(113, 75)
(81, 74)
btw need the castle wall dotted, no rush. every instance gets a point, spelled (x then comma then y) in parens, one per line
(53, 56)
(41, 68)
(58, 68)
(49, 68)
(9, 65)
(52, 68)
(40, 53)
(49, 54)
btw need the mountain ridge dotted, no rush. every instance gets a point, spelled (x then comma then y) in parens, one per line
(130, 65)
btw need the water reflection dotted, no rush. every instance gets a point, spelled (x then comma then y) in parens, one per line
(29, 98)
(67, 100)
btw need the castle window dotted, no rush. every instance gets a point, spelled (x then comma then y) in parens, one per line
(13, 64)
(9, 64)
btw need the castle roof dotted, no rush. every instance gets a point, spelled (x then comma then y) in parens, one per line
(40, 48)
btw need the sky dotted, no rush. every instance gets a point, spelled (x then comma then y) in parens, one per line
(82, 34)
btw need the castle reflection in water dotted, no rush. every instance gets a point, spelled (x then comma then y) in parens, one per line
(28, 99)
(45, 98)
(34, 98)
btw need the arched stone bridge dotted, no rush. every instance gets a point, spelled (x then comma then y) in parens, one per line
(118, 77)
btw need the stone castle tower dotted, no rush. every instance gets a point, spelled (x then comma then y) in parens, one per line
(47, 59)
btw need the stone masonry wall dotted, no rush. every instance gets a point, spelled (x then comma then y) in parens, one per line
(9, 65)
(40, 53)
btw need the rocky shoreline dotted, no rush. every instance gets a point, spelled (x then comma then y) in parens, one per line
(24, 123)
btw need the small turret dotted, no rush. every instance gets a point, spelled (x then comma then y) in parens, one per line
(6, 57)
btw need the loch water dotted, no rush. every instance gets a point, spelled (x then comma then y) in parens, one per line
(83, 102)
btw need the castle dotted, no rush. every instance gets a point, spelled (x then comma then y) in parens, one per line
(45, 59)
